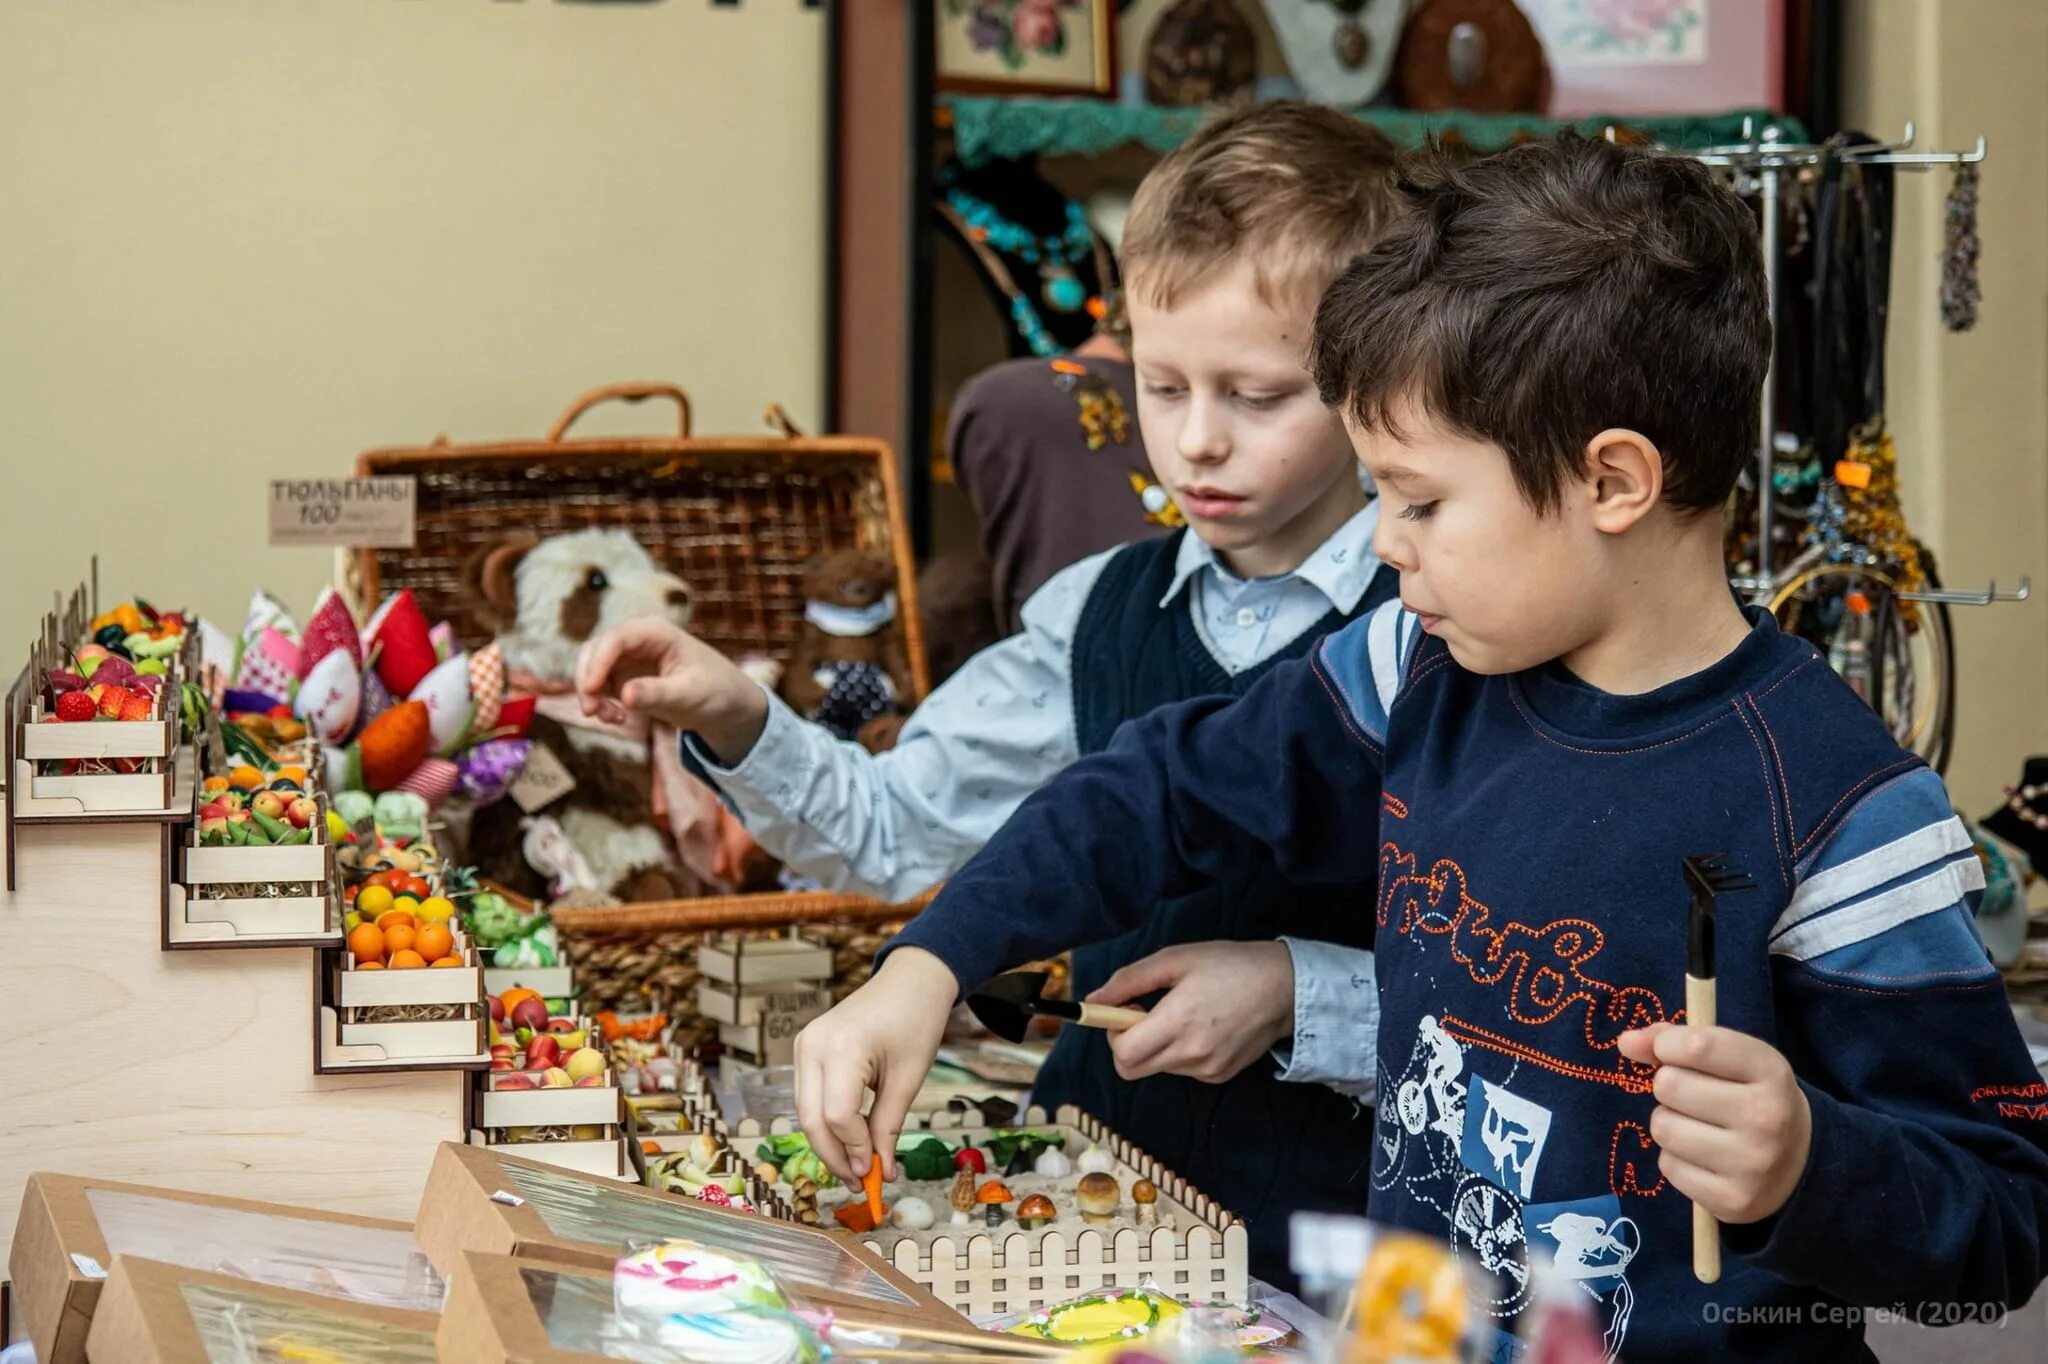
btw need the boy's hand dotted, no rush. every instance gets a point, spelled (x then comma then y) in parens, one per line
(673, 677)
(1227, 1004)
(883, 1037)
(1731, 1119)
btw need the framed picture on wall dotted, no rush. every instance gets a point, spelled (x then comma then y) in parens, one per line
(1018, 47)
(1661, 56)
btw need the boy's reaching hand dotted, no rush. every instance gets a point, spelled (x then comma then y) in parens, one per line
(1733, 1123)
(1226, 1005)
(882, 1037)
(671, 676)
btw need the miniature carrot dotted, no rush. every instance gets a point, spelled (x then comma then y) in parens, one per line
(872, 1183)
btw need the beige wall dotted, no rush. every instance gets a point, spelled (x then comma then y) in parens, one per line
(1971, 411)
(247, 238)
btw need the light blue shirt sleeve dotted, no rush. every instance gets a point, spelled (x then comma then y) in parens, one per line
(1336, 1019)
(894, 825)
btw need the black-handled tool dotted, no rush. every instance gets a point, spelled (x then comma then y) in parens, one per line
(1007, 1003)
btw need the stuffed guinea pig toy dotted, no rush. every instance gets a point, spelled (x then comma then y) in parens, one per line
(545, 599)
(849, 670)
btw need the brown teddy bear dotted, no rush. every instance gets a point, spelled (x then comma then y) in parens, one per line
(850, 671)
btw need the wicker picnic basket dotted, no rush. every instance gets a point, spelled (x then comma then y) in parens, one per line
(736, 517)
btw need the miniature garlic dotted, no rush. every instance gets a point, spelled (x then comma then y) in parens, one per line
(1053, 1163)
(1095, 1161)
(912, 1214)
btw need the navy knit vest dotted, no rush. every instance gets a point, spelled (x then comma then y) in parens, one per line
(1259, 1148)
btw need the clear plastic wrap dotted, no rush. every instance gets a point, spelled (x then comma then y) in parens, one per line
(581, 1209)
(338, 1259)
(250, 1328)
(581, 1314)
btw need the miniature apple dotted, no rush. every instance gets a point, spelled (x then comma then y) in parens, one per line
(542, 1052)
(554, 1077)
(213, 809)
(238, 815)
(269, 804)
(302, 813)
(497, 1008)
(514, 1079)
(591, 1082)
(531, 1013)
(501, 1063)
(233, 800)
(216, 827)
(561, 1025)
(585, 1061)
(523, 1035)
(503, 1049)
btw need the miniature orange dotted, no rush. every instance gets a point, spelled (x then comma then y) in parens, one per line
(214, 784)
(293, 773)
(373, 900)
(407, 960)
(369, 966)
(366, 943)
(433, 941)
(393, 918)
(245, 778)
(513, 997)
(398, 937)
(450, 961)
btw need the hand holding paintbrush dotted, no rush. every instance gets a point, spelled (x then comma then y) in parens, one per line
(1731, 1120)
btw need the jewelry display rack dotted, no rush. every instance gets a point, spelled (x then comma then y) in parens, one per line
(1760, 163)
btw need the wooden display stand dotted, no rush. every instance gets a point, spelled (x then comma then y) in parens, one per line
(192, 1068)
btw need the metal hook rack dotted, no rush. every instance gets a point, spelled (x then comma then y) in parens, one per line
(1761, 160)
(1990, 594)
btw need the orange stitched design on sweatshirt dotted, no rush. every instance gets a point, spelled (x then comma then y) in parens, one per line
(1545, 971)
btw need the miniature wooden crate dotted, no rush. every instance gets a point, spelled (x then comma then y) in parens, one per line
(549, 982)
(32, 738)
(604, 1157)
(743, 1008)
(751, 962)
(261, 920)
(347, 1038)
(990, 1272)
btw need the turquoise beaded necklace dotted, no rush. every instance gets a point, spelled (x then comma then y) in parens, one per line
(1060, 286)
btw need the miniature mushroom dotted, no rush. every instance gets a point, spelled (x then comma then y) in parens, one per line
(912, 1214)
(1053, 1163)
(1035, 1211)
(992, 1196)
(1145, 1194)
(1098, 1195)
(963, 1196)
(1095, 1161)
(970, 1158)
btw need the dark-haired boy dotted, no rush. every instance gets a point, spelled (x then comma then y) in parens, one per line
(1550, 369)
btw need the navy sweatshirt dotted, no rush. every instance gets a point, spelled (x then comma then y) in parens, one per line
(1526, 834)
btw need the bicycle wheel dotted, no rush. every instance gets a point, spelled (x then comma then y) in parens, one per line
(1896, 654)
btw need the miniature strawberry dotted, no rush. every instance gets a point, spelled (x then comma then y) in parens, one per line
(76, 706)
(112, 701)
(137, 706)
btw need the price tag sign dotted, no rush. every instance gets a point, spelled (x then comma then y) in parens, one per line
(369, 513)
(783, 1017)
(542, 782)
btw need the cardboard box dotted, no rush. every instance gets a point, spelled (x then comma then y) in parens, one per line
(480, 1199)
(72, 1228)
(154, 1313)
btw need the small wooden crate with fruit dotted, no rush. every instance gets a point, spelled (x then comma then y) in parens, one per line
(93, 723)
(406, 990)
(550, 1094)
(256, 868)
